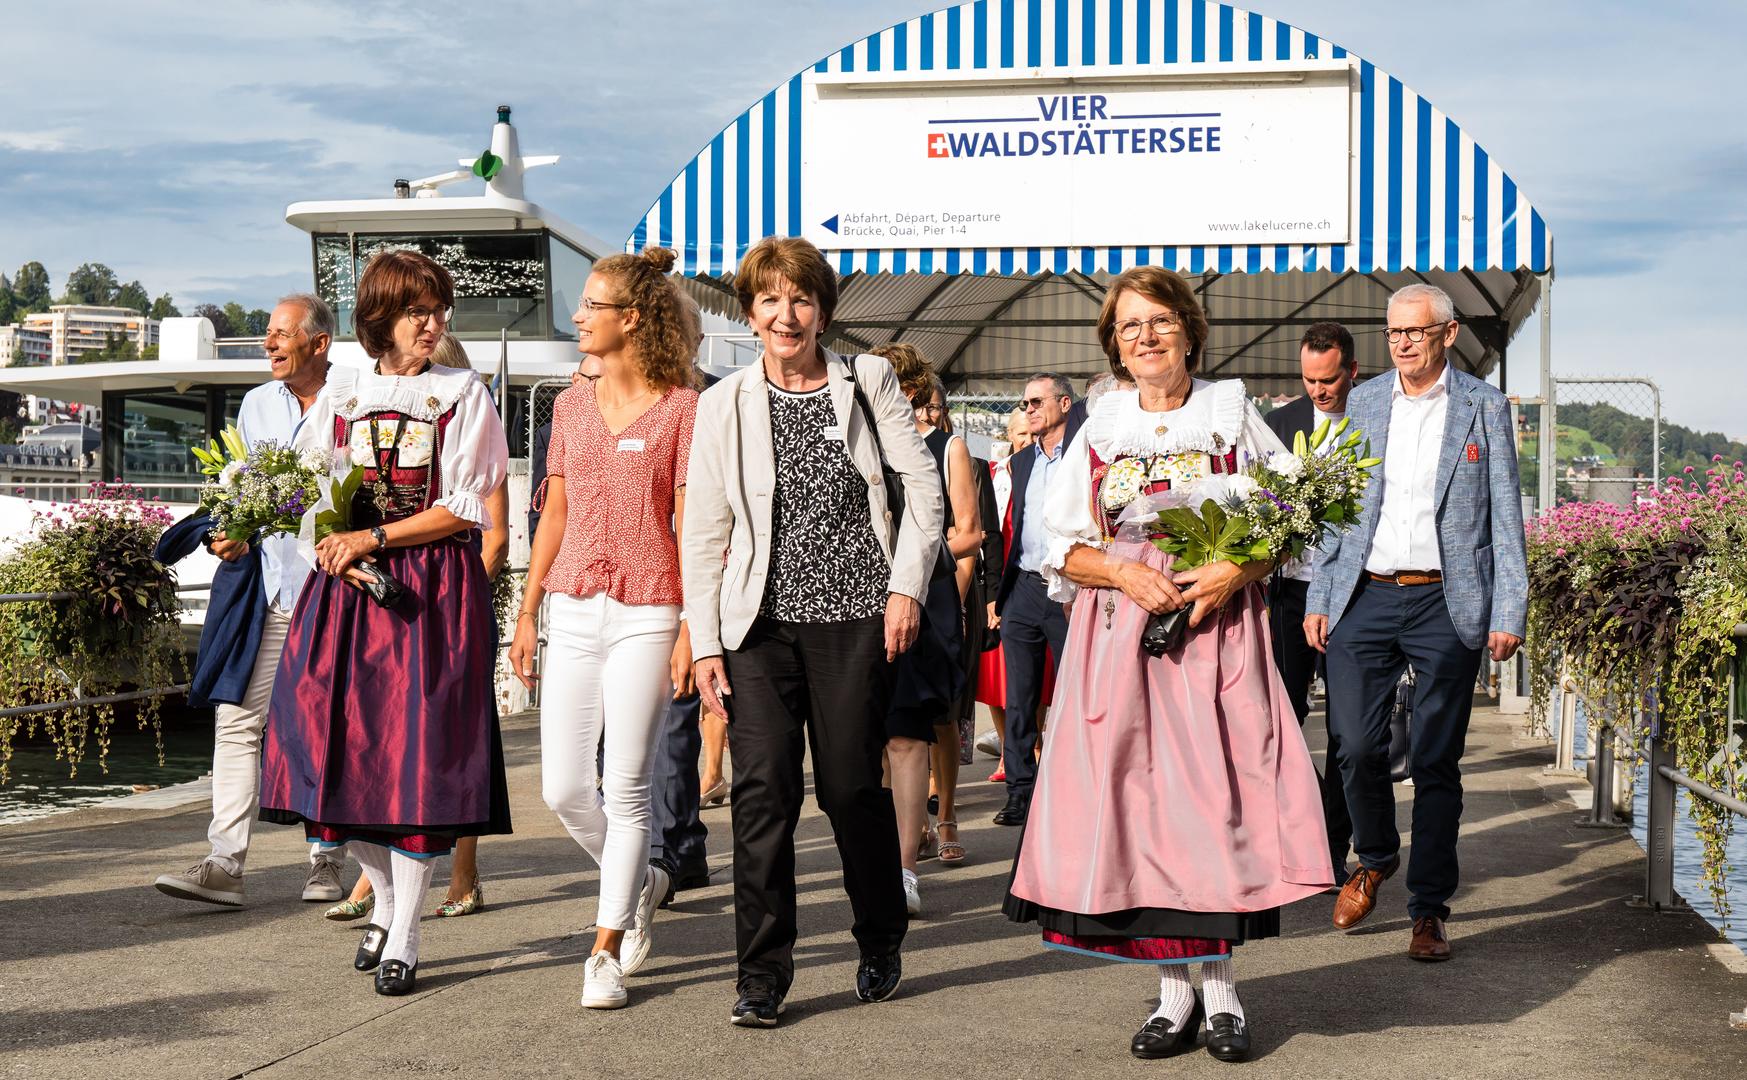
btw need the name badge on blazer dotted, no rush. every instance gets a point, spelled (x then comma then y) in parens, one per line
(1473, 452)
(630, 446)
(832, 433)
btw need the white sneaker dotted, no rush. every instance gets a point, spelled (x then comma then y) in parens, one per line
(603, 983)
(989, 742)
(207, 881)
(634, 950)
(912, 897)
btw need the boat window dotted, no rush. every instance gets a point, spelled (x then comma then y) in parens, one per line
(500, 278)
(570, 269)
(157, 430)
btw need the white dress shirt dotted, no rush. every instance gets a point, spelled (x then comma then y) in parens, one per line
(272, 413)
(1300, 569)
(1407, 521)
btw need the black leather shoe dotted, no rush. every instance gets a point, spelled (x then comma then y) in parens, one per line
(1156, 1039)
(877, 977)
(396, 977)
(759, 1006)
(370, 949)
(682, 880)
(1014, 812)
(1228, 1037)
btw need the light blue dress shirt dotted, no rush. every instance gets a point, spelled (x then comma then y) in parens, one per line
(1034, 538)
(271, 413)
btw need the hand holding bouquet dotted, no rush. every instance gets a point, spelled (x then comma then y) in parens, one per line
(273, 489)
(1277, 508)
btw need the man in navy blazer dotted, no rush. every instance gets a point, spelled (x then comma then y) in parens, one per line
(1030, 621)
(1434, 574)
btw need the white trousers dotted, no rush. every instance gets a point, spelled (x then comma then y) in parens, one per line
(606, 668)
(236, 754)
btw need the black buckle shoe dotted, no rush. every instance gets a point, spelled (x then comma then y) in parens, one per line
(759, 1006)
(396, 977)
(1228, 1037)
(370, 949)
(1014, 812)
(877, 977)
(1157, 1039)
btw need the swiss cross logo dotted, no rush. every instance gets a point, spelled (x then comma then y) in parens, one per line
(937, 146)
(1473, 452)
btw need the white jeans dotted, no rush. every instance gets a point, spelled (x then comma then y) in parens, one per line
(606, 667)
(236, 754)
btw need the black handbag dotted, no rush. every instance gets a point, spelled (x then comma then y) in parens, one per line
(933, 678)
(1163, 633)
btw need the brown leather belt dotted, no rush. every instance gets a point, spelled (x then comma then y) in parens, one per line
(1409, 577)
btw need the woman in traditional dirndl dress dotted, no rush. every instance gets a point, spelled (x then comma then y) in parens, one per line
(382, 734)
(1177, 808)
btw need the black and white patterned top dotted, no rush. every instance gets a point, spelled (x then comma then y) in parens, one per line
(825, 562)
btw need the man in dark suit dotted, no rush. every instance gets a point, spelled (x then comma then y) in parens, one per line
(1328, 367)
(1031, 622)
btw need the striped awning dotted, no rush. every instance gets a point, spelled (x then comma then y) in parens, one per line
(1428, 204)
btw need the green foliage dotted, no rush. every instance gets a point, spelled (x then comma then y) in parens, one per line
(8, 303)
(1630, 437)
(238, 320)
(1208, 537)
(221, 322)
(164, 307)
(115, 347)
(92, 283)
(31, 286)
(133, 295)
(117, 630)
(338, 516)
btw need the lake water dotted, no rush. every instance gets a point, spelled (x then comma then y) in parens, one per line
(40, 785)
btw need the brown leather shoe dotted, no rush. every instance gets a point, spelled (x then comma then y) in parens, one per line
(1429, 943)
(1359, 895)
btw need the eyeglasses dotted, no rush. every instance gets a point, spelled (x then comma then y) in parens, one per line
(932, 408)
(1415, 334)
(276, 336)
(1129, 329)
(589, 307)
(420, 315)
(1031, 403)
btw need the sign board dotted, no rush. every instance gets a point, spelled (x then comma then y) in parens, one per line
(1077, 162)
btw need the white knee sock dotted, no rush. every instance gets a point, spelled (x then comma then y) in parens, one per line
(374, 858)
(1219, 987)
(1176, 994)
(412, 879)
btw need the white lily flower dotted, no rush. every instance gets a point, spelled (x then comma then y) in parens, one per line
(228, 475)
(1285, 463)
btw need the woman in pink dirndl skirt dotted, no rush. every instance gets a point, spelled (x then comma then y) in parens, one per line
(1177, 808)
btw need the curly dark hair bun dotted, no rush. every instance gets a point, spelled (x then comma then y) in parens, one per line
(661, 258)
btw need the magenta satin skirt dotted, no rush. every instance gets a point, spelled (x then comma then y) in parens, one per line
(383, 725)
(1176, 784)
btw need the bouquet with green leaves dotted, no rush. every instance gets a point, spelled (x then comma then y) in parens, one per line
(1278, 507)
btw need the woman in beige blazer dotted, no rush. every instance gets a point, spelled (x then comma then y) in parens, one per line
(801, 587)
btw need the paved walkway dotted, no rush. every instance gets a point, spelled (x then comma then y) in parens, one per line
(1554, 976)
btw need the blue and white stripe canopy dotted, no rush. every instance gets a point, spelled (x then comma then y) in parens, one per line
(1428, 204)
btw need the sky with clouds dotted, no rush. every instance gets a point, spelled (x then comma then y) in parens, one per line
(165, 139)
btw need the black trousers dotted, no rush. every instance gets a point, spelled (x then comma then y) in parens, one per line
(1386, 627)
(1298, 663)
(1030, 624)
(827, 685)
(676, 832)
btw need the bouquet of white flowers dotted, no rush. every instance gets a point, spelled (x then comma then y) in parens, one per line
(272, 488)
(1278, 507)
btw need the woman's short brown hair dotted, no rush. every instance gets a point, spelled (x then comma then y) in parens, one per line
(915, 374)
(1160, 286)
(791, 259)
(665, 340)
(392, 282)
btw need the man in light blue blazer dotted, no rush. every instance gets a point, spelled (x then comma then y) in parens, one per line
(1434, 575)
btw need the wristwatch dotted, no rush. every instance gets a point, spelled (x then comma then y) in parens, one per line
(381, 537)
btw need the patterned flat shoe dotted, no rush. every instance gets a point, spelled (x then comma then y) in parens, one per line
(467, 905)
(347, 910)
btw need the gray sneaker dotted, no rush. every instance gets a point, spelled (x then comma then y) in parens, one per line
(206, 881)
(324, 882)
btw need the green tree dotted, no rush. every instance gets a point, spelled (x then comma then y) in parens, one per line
(237, 318)
(115, 347)
(31, 286)
(150, 352)
(92, 283)
(164, 308)
(257, 322)
(8, 303)
(133, 295)
(221, 323)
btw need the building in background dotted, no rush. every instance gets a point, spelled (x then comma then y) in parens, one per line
(24, 346)
(77, 330)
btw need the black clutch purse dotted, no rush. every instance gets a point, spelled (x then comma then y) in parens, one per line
(1165, 633)
(383, 590)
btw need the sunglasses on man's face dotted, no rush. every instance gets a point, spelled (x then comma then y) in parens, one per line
(1031, 403)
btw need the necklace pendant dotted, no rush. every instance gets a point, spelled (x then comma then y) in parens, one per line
(1109, 610)
(1160, 430)
(382, 500)
(1218, 441)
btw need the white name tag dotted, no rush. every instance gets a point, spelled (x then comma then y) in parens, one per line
(833, 433)
(630, 446)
